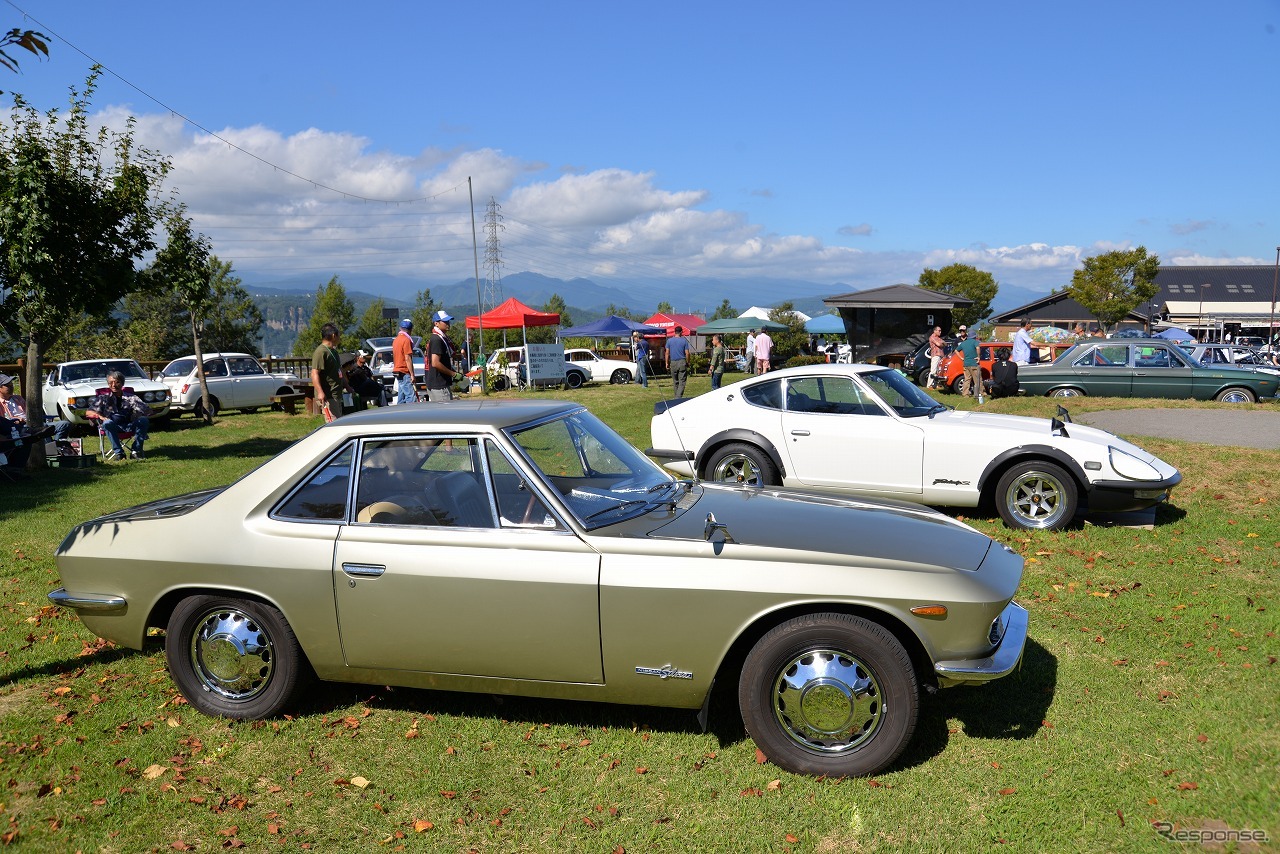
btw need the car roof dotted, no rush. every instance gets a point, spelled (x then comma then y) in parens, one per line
(826, 369)
(455, 414)
(215, 355)
(101, 361)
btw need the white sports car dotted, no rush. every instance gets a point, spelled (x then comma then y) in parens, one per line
(69, 387)
(615, 371)
(868, 430)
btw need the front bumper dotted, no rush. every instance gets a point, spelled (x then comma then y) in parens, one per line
(1126, 496)
(97, 604)
(1001, 662)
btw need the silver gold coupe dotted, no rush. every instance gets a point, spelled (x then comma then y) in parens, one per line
(524, 547)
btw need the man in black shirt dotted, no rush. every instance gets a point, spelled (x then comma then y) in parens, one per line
(440, 372)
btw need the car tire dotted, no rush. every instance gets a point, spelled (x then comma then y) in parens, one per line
(500, 382)
(233, 658)
(922, 378)
(957, 385)
(829, 694)
(1036, 495)
(1236, 395)
(574, 379)
(249, 410)
(1066, 391)
(743, 464)
(620, 377)
(214, 407)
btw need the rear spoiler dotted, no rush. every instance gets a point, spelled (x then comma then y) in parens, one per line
(663, 405)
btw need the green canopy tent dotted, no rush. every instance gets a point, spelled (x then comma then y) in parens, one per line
(739, 324)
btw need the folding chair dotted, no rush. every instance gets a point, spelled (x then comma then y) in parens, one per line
(104, 444)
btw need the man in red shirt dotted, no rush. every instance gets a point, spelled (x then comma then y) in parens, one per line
(402, 364)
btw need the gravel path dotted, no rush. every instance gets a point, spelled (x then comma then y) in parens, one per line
(1242, 427)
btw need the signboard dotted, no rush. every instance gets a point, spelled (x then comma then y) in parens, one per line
(546, 364)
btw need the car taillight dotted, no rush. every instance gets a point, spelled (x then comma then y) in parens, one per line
(185, 386)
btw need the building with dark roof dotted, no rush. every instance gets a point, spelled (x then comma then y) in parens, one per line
(894, 319)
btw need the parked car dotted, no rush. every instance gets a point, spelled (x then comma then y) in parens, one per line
(236, 381)
(1254, 341)
(506, 370)
(523, 547)
(70, 386)
(1142, 367)
(868, 430)
(601, 370)
(1233, 355)
(951, 368)
(382, 361)
(918, 362)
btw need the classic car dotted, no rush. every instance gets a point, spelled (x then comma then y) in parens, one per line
(1233, 355)
(951, 368)
(601, 370)
(382, 361)
(524, 547)
(70, 386)
(506, 370)
(1142, 367)
(868, 430)
(236, 381)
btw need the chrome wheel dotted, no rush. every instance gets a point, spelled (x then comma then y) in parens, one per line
(828, 701)
(1036, 496)
(737, 468)
(1066, 392)
(231, 654)
(1236, 395)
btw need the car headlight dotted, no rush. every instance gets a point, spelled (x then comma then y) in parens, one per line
(1127, 465)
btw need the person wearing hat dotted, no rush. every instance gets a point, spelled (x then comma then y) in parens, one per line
(402, 363)
(362, 380)
(13, 410)
(441, 374)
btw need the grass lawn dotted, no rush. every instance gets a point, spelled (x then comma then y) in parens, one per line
(1149, 692)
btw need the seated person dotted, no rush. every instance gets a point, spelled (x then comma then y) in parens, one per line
(1004, 376)
(13, 409)
(118, 411)
(363, 382)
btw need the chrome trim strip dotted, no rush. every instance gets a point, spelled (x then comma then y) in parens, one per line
(363, 570)
(1002, 660)
(88, 602)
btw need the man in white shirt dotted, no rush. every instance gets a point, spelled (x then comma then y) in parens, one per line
(1021, 354)
(751, 352)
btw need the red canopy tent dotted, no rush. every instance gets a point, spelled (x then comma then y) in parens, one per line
(669, 322)
(512, 314)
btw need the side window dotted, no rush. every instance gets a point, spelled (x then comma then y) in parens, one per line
(766, 394)
(519, 505)
(829, 396)
(431, 482)
(323, 496)
(1154, 357)
(245, 367)
(215, 368)
(1105, 355)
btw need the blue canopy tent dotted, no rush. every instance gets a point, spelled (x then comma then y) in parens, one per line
(609, 327)
(1173, 333)
(827, 324)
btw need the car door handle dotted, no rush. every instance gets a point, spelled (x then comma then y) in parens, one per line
(363, 570)
(799, 432)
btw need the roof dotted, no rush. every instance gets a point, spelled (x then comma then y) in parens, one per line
(898, 296)
(1227, 283)
(1056, 306)
(456, 413)
(668, 322)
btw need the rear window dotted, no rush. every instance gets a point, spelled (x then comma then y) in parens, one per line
(179, 368)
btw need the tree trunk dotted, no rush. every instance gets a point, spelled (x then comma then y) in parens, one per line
(204, 383)
(33, 393)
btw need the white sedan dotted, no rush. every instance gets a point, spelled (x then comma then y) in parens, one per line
(868, 430)
(236, 381)
(70, 386)
(601, 370)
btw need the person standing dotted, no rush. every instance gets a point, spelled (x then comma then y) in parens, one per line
(935, 355)
(327, 377)
(716, 368)
(640, 349)
(1022, 343)
(118, 411)
(968, 348)
(441, 374)
(402, 364)
(764, 351)
(678, 361)
(750, 351)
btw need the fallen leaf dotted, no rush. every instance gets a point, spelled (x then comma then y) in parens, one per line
(422, 825)
(791, 838)
(774, 785)
(1184, 787)
(760, 757)
(153, 772)
(1007, 791)
(360, 782)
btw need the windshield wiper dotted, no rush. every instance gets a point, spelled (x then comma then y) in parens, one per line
(619, 506)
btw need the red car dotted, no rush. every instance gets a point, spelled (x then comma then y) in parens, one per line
(951, 369)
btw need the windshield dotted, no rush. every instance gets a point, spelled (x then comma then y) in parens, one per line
(99, 370)
(179, 368)
(905, 397)
(602, 478)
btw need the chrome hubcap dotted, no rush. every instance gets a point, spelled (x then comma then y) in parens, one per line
(737, 469)
(1036, 499)
(828, 701)
(232, 655)
(1235, 397)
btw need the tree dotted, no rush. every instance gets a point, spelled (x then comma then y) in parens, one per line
(664, 307)
(77, 209)
(1112, 284)
(332, 306)
(423, 307)
(28, 40)
(556, 305)
(622, 311)
(787, 343)
(234, 323)
(372, 323)
(965, 281)
(724, 311)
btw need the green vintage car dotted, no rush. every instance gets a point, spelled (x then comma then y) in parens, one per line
(524, 547)
(1142, 367)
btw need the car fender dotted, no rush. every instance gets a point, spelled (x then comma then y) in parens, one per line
(739, 434)
(1055, 455)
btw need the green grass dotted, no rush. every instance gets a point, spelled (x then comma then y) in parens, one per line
(1148, 693)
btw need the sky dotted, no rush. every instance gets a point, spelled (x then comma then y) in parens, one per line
(841, 143)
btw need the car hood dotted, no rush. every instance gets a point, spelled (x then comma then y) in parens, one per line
(1032, 428)
(93, 384)
(829, 527)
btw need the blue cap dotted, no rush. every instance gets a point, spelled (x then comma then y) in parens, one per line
(406, 324)
(442, 315)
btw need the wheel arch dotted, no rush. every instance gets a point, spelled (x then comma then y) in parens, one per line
(1028, 453)
(162, 609)
(738, 434)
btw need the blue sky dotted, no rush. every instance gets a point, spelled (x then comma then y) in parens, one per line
(849, 143)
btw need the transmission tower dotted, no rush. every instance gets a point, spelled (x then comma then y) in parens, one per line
(492, 254)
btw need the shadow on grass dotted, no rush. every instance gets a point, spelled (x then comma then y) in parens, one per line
(66, 666)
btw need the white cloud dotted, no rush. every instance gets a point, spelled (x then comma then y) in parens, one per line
(1029, 256)
(862, 230)
(603, 197)
(1207, 261)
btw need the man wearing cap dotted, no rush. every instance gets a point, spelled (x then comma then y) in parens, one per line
(13, 409)
(440, 372)
(402, 363)
(363, 382)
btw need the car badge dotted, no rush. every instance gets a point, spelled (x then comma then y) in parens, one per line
(666, 671)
